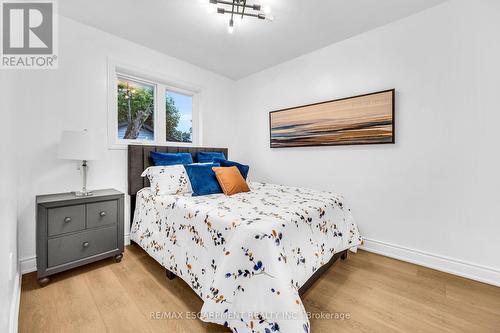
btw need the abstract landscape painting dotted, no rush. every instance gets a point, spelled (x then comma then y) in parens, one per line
(366, 119)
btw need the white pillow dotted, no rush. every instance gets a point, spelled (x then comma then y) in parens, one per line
(171, 179)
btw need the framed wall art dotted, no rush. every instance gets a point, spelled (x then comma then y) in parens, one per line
(364, 119)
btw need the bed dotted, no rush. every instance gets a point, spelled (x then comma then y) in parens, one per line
(249, 256)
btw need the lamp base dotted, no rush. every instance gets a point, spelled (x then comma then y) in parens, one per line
(83, 194)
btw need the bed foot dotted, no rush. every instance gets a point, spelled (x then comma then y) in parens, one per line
(343, 256)
(169, 274)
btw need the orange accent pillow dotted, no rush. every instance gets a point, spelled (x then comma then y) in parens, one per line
(231, 180)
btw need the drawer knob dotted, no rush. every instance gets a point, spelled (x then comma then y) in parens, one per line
(85, 244)
(102, 214)
(67, 219)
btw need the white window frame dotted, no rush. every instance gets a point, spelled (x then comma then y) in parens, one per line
(161, 86)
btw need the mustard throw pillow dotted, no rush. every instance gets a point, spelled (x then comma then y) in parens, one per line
(230, 180)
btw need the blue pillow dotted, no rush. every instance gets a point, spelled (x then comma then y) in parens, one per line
(170, 158)
(242, 167)
(206, 156)
(203, 180)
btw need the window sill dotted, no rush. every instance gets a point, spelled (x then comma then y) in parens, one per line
(124, 145)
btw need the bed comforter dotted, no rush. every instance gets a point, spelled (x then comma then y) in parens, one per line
(246, 255)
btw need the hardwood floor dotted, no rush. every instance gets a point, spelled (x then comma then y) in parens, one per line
(378, 294)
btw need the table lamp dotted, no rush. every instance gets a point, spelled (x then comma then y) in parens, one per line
(80, 146)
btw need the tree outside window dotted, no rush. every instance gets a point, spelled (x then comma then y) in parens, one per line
(135, 110)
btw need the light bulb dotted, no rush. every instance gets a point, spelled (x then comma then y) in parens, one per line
(230, 29)
(270, 18)
(266, 9)
(211, 9)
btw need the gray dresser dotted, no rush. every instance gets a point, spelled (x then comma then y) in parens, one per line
(73, 231)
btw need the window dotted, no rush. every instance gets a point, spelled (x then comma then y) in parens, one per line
(136, 108)
(179, 117)
(143, 109)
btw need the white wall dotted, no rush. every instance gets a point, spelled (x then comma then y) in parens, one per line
(75, 97)
(9, 272)
(435, 193)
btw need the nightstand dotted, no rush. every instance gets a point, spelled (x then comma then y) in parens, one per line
(73, 231)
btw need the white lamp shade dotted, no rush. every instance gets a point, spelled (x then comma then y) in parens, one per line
(78, 145)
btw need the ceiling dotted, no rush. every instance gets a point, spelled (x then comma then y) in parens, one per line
(184, 28)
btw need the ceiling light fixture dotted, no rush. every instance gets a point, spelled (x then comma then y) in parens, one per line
(240, 8)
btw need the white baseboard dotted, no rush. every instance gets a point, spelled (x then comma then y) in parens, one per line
(449, 265)
(14, 304)
(28, 265)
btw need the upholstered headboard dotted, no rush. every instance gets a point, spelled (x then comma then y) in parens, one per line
(139, 160)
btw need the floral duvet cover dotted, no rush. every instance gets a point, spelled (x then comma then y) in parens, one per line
(246, 255)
